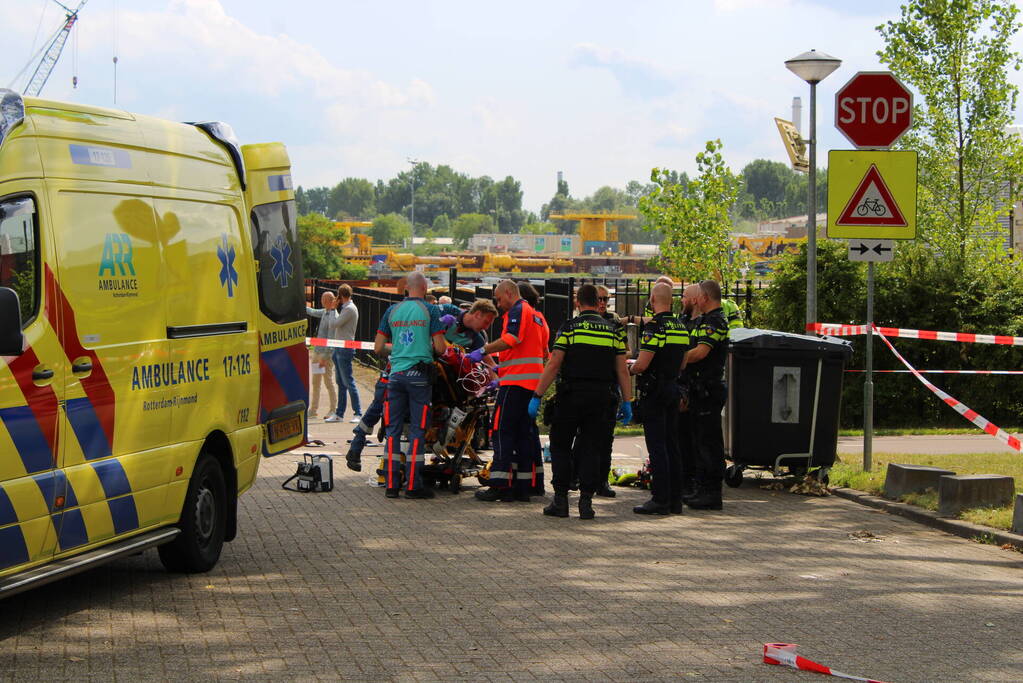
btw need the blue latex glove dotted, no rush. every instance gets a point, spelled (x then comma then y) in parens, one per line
(476, 356)
(494, 384)
(534, 406)
(448, 320)
(625, 413)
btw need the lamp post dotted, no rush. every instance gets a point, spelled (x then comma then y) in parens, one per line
(412, 239)
(813, 67)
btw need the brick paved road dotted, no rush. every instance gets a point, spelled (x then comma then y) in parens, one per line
(350, 585)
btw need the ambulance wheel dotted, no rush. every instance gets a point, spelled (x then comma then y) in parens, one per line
(733, 476)
(203, 521)
(456, 483)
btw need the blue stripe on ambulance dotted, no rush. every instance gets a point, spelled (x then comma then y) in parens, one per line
(7, 512)
(88, 430)
(28, 438)
(284, 371)
(12, 547)
(72, 529)
(117, 489)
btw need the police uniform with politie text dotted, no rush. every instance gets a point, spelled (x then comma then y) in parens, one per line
(663, 346)
(705, 368)
(588, 361)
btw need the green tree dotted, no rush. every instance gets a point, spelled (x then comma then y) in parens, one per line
(318, 239)
(538, 228)
(469, 224)
(957, 55)
(694, 218)
(352, 198)
(390, 228)
(442, 226)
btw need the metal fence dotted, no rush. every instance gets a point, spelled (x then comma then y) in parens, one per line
(557, 295)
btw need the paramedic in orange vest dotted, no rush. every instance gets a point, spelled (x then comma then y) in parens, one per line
(522, 352)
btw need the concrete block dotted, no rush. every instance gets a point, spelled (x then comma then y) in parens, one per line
(956, 493)
(1017, 515)
(903, 479)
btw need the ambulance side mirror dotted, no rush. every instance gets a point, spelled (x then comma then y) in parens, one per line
(11, 339)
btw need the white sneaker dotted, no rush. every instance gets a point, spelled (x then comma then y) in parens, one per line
(356, 420)
(332, 418)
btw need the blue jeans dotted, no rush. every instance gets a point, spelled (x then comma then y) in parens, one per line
(408, 398)
(369, 420)
(345, 382)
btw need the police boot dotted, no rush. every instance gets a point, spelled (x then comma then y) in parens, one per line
(651, 507)
(689, 491)
(354, 462)
(676, 507)
(494, 494)
(708, 497)
(558, 506)
(586, 506)
(605, 490)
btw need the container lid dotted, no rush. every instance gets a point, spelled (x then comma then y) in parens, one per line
(747, 338)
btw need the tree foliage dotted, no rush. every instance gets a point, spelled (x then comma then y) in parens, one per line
(957, 54)
(693, 216)
(320, 240)
(469, 224)
(390, 228)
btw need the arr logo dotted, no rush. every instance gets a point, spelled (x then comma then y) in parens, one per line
(118, 256)
(117, 266)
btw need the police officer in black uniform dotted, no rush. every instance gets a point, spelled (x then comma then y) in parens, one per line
(588, 360)
(689, 318)
(663, 346)
(705, 364)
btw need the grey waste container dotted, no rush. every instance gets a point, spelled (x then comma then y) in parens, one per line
(784, 395)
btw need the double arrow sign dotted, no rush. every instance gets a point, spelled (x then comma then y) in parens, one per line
(870, 250)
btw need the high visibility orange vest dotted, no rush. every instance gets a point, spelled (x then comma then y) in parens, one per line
(523, 331)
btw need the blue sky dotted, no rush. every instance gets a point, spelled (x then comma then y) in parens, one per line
(600, 90)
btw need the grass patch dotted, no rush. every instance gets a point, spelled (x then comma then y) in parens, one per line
(999, 518)
(851, 475)
(927, 500)
(922, 431)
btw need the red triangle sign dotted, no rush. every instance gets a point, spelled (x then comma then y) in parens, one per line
(872, 204)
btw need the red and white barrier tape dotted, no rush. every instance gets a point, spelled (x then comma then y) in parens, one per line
(784, 654)
(339, 343)
(951, 372)
(961, 408)
(837, 330)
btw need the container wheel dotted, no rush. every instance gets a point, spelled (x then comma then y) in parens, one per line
(733, 476)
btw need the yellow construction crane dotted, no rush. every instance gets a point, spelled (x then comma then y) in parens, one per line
(593, 226)
(359, 244)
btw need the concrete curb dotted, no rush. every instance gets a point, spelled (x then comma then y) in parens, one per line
(931, 519)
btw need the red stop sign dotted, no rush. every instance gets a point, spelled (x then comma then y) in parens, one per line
(873, 109)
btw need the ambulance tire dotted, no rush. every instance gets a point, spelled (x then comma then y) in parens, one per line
(203, 521)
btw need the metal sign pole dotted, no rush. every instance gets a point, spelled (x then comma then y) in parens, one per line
(868, 384)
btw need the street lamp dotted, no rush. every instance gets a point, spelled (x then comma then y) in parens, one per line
(414, 162)
(813, 67)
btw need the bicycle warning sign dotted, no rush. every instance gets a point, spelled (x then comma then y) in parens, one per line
(872, 203)
(872, 194)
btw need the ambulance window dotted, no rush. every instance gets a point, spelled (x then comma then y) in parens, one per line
(19, 258)
(275, 241)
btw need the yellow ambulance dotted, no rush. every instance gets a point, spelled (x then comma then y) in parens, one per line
(152, 329)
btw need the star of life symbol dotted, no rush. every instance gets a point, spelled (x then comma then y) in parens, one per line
(282, 268)
(228, 274)
(407, 337)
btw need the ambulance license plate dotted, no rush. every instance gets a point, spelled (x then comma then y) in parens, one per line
(285, 429)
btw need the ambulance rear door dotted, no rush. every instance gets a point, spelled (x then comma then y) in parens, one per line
(283, 357)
